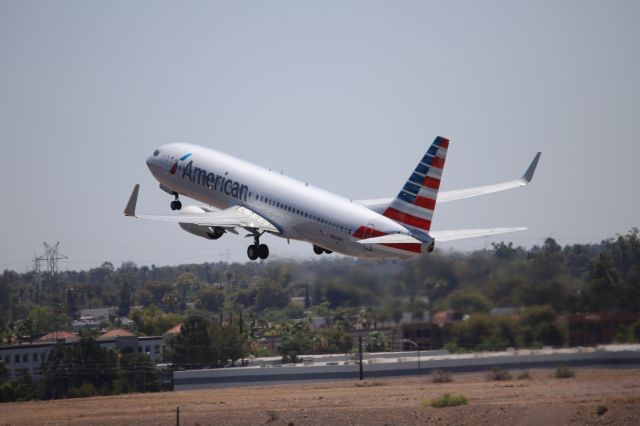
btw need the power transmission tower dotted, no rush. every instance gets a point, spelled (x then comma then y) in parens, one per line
(37, 276)
(52, 256)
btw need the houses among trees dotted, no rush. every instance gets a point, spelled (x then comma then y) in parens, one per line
(215, 314)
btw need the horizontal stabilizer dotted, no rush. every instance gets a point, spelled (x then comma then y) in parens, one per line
(460, 194)
(380, 204)
(391, 239)
(463, 234)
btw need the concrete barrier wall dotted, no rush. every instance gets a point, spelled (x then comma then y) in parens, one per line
(251, 376)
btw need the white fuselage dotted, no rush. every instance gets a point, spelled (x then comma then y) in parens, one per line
(299, 210)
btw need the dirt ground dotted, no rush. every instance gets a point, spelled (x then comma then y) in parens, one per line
(540, 400)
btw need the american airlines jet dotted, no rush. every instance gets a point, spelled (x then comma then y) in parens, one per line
(242, 196)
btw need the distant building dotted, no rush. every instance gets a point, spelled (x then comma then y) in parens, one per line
(26, 358)
(59, 337)
(427, 335)
(174, 331)
(99, 314)
(595, 329)
(92, 318)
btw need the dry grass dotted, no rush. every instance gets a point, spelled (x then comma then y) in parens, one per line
(383, 401)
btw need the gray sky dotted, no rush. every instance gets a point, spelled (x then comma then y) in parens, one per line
(347, 95)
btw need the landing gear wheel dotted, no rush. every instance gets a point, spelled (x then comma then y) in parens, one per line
(263, 251)
(328, 251)
(318, 250)
(252, 252)
(176, 205)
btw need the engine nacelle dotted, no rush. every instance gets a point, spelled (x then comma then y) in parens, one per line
(208, 232)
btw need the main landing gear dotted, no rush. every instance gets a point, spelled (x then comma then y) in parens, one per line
(257, 250)
(319, 250)
(176, 204)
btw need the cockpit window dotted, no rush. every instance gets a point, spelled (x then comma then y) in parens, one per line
(156, 153)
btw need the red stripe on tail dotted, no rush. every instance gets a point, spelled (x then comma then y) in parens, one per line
(408, 219)
(427, 203)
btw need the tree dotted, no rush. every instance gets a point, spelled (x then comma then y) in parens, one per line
(210, 299)
(294, 341)
(469, 301)
(71, 366)
(138, 373)
(124, 305)
(42, 318)
(377, 342)
(152, 321)
(158, 289)
(192, 347)
(333, 340)
(270, 296)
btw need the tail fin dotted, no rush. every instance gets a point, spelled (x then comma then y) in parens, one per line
(416, 201)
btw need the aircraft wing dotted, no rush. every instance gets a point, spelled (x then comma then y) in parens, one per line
(463, 234)
(231, 217)
(379, 204)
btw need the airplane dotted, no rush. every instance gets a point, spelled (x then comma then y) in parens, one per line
(239, 195)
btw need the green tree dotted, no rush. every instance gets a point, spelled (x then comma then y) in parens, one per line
(333, 340)
(210, 299)
(270, 296)
(139, 373)
(469, 301)
(152, 321)
(41, 318)
(377, 342)
(124, 305)
(294, 341)
(193, 346)
(158, 289)
(71, 366)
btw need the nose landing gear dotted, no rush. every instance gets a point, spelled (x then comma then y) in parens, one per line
(175, 204)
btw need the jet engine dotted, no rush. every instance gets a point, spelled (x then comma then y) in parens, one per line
(208, 232)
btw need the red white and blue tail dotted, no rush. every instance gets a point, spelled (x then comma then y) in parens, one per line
(414, 205)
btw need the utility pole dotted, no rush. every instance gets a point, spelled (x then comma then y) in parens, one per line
(360, 356)
(37, 276)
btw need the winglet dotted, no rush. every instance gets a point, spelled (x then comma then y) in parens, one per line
(130, 210)
(528, 175)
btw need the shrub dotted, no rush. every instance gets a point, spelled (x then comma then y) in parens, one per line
(446, 400)
(441, 376)
(563, 371)
(498, 373)
(524, 376)
(601, 409)
(83, 391)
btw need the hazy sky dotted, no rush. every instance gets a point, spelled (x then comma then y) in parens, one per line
(347, 95)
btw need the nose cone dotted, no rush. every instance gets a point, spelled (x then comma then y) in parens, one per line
(152, 164)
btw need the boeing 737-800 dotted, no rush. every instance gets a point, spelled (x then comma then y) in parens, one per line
(241, 195)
